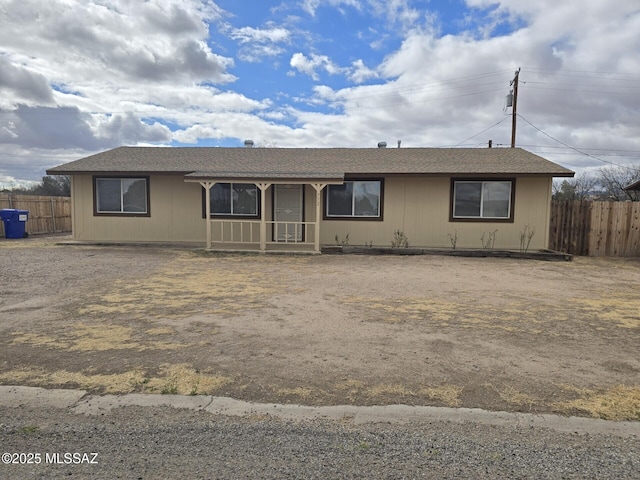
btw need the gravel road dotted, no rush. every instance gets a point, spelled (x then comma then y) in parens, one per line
(162, 442)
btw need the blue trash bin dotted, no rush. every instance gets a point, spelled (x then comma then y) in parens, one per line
(14, 222)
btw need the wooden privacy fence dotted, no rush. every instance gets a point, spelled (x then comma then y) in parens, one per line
(46, 214)
(595, 228)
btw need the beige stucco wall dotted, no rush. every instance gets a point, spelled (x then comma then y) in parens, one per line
(175, 206)
(418, 206)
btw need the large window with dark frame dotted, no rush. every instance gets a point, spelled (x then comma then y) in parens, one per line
(354, 199)
(482, 200)
(235, 200)
(127, 196)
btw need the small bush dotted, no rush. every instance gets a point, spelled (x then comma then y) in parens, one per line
(342, 242)
(453, 239)
(525, 237)
(400, 240)
(490, 240)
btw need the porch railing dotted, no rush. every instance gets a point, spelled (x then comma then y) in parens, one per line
(290, 232)
(247, 232)
(235, 231)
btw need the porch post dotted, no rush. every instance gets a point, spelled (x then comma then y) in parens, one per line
(207, 207)
(263, 215)
(318, 187)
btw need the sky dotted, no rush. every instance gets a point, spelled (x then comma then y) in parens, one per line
(79, 77)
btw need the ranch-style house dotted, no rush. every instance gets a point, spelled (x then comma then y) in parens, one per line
(300, 199)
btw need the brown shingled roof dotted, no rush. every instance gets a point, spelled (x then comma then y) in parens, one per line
(312, 162)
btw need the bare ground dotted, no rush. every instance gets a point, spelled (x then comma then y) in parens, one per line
(500, 334)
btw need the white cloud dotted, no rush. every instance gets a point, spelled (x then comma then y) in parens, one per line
(310, 6)
(127, 129)
(164, 70)
(360, 73)
(396, 12)
(63, 128)
(260, 43)
(270, 35)
(257, 53)
(22, 84)
(309, 65)
(126, 41)
(197, 132)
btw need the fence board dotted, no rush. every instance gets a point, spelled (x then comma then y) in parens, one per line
(46, 214)
(634, 230)
(570, 223)
(595, 228)
(595, 236)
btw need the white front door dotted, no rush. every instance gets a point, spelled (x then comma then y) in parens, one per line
(288, 208)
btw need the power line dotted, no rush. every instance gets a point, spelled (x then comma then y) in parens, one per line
(620, 153)
(573, 85)
(576, 90)
(480, 133)
(420, 86)
(574, 148)
(583, 74)
(603, 83)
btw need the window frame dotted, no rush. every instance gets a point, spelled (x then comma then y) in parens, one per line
(352, 217)
(99, 213)
(257, 215)
(509, 219)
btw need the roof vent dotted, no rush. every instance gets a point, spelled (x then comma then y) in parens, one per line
(248, 143)
(382, 144)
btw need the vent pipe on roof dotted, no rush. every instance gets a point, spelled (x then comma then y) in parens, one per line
(382, 144)
(399, 142)
(248, 143)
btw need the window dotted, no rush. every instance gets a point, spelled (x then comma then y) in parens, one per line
(482, 200)
(121, 195)
(354, 199)
(235, 199)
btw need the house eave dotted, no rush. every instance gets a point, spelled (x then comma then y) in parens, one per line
(305, 178)
(633, 186)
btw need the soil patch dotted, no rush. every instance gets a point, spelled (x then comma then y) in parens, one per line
(495, 333)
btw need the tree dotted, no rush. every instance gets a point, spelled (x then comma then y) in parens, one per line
(581, 187)
(613, 179)
(58, 186)
(53, 186)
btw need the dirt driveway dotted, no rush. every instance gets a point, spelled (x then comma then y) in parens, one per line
(500, 334)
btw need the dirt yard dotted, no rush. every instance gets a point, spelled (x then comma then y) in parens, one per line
(500, 334)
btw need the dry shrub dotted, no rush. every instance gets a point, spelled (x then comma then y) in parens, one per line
(304, 393)
(183, 379)
(447, 394)
(618, 403)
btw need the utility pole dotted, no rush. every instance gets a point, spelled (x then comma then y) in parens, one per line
(514, 111)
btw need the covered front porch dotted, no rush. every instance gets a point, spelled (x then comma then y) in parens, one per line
(286, 215)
